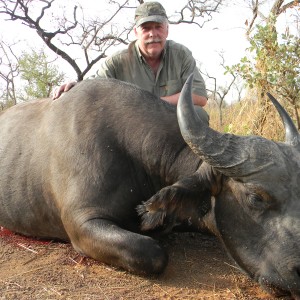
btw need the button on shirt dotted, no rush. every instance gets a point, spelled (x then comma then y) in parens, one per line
(176, 65)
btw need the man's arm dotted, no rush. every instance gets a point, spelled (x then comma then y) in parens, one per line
(198, 100)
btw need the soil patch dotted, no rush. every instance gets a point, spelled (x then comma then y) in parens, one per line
(198, 269)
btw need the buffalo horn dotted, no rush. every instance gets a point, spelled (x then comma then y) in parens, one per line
(232, 155)
(292, 136)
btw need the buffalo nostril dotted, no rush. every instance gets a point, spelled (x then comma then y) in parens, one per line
(297, 269)
(294, 283)
(294, 268)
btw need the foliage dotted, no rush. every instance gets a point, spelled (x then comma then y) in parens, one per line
(274, 65)
(40, 75)
(277, 63)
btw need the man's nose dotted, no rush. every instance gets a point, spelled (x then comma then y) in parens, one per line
(152, 32)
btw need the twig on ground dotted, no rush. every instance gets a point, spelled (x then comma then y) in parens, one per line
(11, 283)
(28, 249)
(232, 266)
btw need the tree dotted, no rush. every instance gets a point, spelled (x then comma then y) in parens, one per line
(40, 74)
(274, 66)
(31, 72)
(71, 32)
(219, 93)
(8, 73)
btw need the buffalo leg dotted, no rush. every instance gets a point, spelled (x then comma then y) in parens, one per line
(187, 200)
(104, 241)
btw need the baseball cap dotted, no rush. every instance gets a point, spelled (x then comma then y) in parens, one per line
(150, 12)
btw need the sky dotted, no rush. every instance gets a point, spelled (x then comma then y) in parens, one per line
(224, 33)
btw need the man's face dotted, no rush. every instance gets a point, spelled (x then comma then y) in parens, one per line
(152, 38)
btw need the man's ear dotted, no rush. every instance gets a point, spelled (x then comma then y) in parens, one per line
(135, 31)
(167, 29)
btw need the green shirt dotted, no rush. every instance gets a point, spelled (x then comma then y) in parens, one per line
(176, 65)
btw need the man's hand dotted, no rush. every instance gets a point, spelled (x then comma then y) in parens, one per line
(62, 89)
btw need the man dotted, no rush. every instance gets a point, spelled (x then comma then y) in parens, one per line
(152, 62)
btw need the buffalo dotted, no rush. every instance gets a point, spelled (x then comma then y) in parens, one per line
(109, 165)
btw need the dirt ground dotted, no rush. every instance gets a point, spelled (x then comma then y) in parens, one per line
(198, 269)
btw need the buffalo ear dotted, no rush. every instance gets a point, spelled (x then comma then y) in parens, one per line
(185, 202)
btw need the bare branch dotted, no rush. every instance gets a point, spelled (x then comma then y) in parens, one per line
(196, 9)
(21, 10)
(219, 93)
(9, 71)
(254, 16)
(278, 8)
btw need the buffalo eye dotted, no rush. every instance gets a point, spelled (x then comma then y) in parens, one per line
(256, 201)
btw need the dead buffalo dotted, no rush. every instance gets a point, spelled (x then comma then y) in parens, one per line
(76, 169)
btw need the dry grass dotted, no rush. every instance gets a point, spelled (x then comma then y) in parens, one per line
(248, 117)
